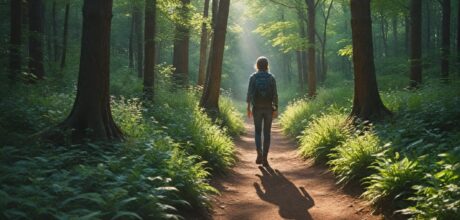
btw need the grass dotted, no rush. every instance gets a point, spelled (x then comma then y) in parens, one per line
(422, 180)
(322, 135)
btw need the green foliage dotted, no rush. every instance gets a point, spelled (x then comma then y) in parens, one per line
(323, 134)
(439, 196)
(189, 125)
(351, 160)
(391, 185)
(160, 170)
(300, 112)
(229, 117)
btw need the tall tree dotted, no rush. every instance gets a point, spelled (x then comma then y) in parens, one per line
(55, 43)
(311, 31)
(15, 38)
(138, 27)
(367, 104)
(91, 116)
(203, 45)
(65, 35)
(131, 42)
(415, 43)
(149, 36)
(36, 34)
(445, 42)
(323, 41)
(458, 37)
(181, 45)
(302, 53)
(210, 98)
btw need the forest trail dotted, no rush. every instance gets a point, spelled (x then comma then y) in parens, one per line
(291, 189)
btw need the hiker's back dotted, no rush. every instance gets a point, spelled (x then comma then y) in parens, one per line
(263, 90)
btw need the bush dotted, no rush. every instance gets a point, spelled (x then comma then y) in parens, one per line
(229, 117)
(439, 197)
(323, 134)
(352, 159)
(391, 185)
(299, 113)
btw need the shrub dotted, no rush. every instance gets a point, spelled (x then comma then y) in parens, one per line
(391, 185)
(323, 134)
(439, 197)
(352, 159)
(229, 117)
(299, 113)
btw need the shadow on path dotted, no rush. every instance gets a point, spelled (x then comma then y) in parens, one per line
(293, 202)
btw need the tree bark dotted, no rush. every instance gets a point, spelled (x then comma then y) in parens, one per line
(181, 46)
(445, 43)
(428, 27)
(211, 92)
(15, 39)
(131, 47)
(323, 45)
(303, 53)
(415, 43)
(458, 37)
(395, 36)
(149, 74)
(36, 27)
(300, 69)
(137, 13)
(311, 30)
(406, 34)
(91, 116)
(55, 43)
(367, 104)
(203, 46)
(65, 35)
(384, 31)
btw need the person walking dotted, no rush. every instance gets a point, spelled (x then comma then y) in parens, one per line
(263, 97)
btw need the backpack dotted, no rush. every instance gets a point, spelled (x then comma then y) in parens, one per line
(263, 87)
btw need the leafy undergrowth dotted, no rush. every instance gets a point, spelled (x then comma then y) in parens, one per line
(161, 169)
(408, 165)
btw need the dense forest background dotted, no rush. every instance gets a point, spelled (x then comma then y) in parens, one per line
(127, 109)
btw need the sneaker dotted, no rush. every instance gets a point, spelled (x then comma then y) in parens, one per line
(265, 163)
(259, 159)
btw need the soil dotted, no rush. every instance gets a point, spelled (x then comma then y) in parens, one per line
(292, 188)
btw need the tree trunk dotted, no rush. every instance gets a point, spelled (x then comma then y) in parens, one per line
(428, 27)
(64, 35)
(458, 37)
(415, 43)
(91, 116)
(181, 46)
(15, 39)
(55, 43)
(131, 48)
(203, 46)
(149, 74)
(300, 69)
(383, 28)
(367, 104)
(36, 22)
(406, 34)
(395, 36)
(311, 30)
(137, 13)
(445, 44)
(211, 92)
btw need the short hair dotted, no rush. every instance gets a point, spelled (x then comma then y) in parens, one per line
(262, 63)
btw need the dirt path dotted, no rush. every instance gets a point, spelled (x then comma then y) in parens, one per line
(292, 189)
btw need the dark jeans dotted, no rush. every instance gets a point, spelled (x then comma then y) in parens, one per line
(262, 115)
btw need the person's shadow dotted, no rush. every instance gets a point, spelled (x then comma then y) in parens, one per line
(293, 202)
